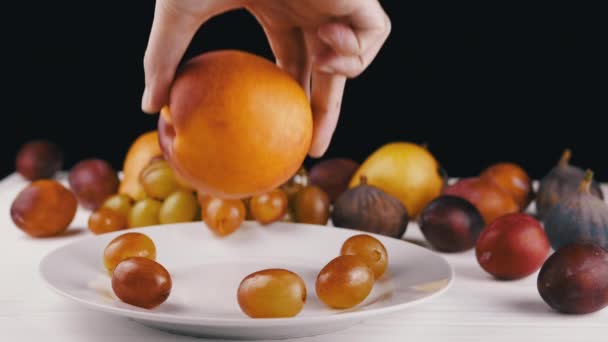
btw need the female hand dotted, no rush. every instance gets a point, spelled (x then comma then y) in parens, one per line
(320, 43)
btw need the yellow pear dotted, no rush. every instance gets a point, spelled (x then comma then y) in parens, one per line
(404, 170)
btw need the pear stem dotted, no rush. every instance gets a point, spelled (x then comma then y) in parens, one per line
(565, 159)
(363, 180)
(586, 182)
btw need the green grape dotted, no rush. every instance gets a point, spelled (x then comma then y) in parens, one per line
(344, 282)
(121, 203)
(272, 293)
(269, 207)
(370, 250)
(144, 213)
(223, 216)
(180, 206)
(105, 220)
(158, 180)
(125, 246)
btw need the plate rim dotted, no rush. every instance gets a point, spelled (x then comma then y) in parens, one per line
(245, 321)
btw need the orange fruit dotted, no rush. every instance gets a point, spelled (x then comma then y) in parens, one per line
(236, 124)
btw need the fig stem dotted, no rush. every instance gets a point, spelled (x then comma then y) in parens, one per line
(586, 183)
(363, 179)
(565, 158)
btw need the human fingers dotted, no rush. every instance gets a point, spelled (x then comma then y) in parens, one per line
(175, 23)
(350, 66)
(289, 49)
(341, 37)
(326, 100)
(355, 41)
(172, 31)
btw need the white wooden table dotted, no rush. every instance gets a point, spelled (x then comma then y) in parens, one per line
(475, 308)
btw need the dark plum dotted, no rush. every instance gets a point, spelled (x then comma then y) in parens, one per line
(93, 181)
(333, 175)
(451, 224)
(574, 279)
(39, 159)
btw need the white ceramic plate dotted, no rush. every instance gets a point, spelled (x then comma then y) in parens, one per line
(206, 271)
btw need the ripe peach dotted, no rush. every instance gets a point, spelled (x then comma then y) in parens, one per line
(236, 125)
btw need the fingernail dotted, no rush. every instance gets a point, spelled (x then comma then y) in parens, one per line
(145, 100)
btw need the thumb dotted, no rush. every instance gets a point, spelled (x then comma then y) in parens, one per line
(174, 25)
(172, 31)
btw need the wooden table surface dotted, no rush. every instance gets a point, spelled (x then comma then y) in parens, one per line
(475, 308)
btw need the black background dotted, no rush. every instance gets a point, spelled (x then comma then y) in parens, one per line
(479, 84)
